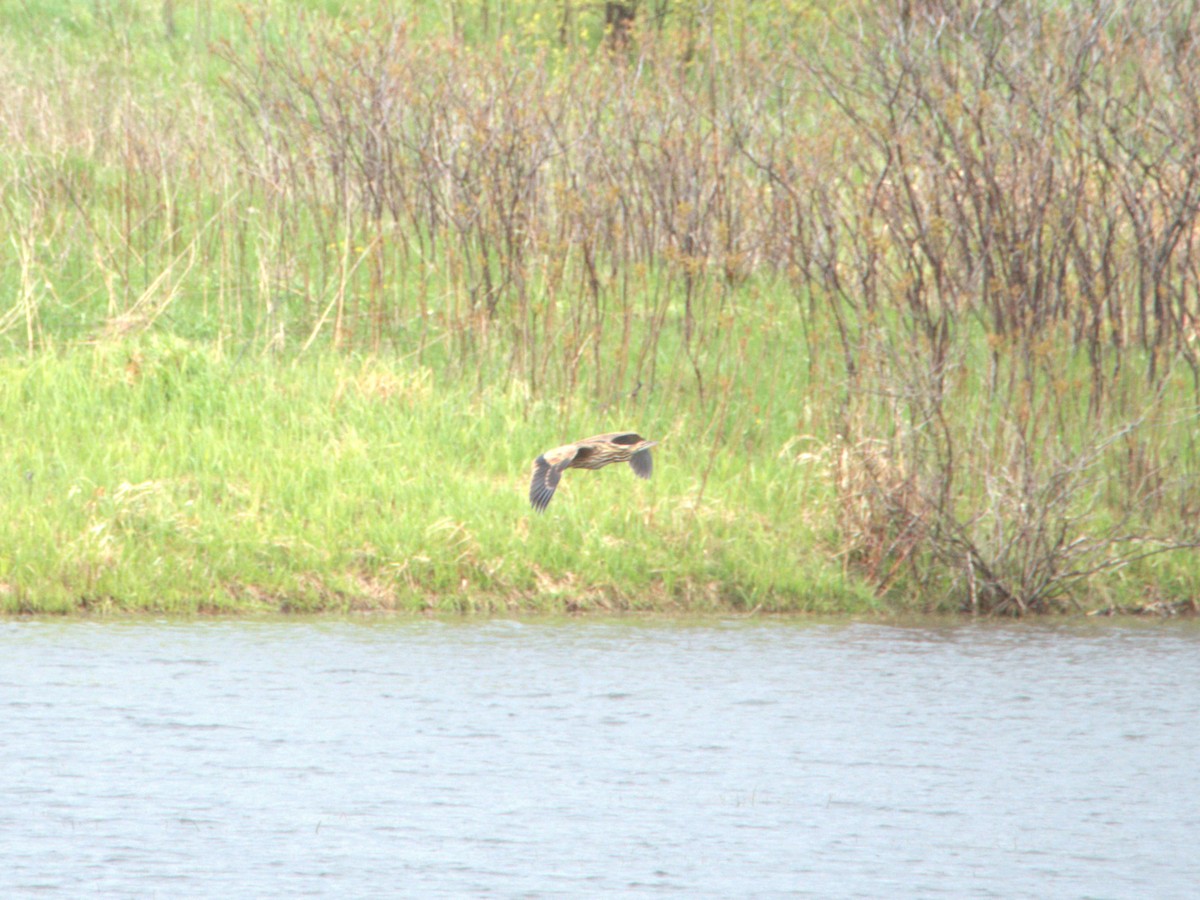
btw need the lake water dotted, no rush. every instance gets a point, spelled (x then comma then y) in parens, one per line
(714, 759)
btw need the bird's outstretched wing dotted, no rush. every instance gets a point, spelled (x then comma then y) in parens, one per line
(545, 480)
(547, 470)
(641, 463)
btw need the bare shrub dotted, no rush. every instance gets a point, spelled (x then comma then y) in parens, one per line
(543, 188)
(1026, 181)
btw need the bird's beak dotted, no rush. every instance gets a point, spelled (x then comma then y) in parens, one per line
(649, 444)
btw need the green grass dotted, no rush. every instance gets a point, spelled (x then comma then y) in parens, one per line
(160, 475)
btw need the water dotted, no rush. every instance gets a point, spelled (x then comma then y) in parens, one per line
(720, 759)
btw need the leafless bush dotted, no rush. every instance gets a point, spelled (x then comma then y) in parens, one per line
(524, 179)
(1024, 180)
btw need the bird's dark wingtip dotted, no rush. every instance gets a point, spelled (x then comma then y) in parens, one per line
(642, 463)
(540, 491)
(539, 498)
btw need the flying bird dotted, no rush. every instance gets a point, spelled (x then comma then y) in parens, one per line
(590, 453)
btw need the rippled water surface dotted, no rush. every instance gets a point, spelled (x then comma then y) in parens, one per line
(725, 759)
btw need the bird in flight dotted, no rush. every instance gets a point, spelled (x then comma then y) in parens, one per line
(590, 453)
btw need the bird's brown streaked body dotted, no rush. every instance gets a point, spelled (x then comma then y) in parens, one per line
(590, 453)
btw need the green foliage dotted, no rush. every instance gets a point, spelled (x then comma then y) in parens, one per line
(292, 293)
(160, 474)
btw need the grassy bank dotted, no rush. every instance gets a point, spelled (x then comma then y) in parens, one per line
(292, 296)
(162, 475)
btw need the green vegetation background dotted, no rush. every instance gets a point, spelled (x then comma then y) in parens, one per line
(227, 383)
